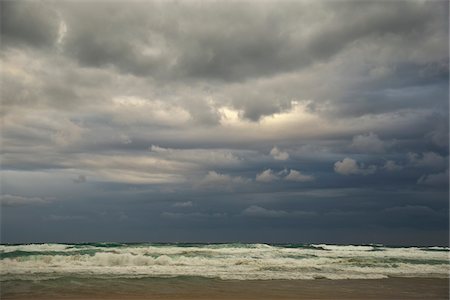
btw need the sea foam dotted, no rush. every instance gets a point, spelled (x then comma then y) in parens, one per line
(225, 261)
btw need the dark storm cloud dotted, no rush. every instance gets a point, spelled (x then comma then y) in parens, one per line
(225, 120)
(231, 41)
(171, 40)
(28, 23)
(404, 88)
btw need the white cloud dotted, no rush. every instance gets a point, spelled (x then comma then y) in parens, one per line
(350, 166)
(290, 175)
(266, 176)
(182, 204)
(258, 211)
(200, 157)
(158, 149)
(135, 169)
(392, 166)
(278, 154)
(438, 179)
(14, 200)
(62, 31)
(368, 143)
(137, 177)
(298, 176)
(65, 218)
(192, 215)
(427, 160)
(214, 180)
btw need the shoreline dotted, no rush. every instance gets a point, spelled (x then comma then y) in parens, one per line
(202, 288)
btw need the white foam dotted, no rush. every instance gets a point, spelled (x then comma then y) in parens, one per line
(34, 247)
(344, 247)
(228, 262)
(437, 248)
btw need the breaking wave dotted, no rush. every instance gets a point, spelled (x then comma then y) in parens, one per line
(225, 261)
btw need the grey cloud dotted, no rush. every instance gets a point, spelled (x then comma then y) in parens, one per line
(349, 166)
(439, 136)
(202, 157)
(368, 143)
(257, 211)
(295, 175)
(80, 179)
(15, 200)
(255, 99)
(256, 106)
(32, 23)
(428, 160)
(183, 204)
(65, 218)
(228, 107)
(102, 40)
(392, 166)
(411, 210)
(193, 215)
(125, 139)
(289, 175)
(261, 41)
(114, 167)
(266, 176)
(179, 44)
(221, 182)
(132, 169)
(437, 179)
(393, 18)
(279, 154)
(362, 102)
(261, 212)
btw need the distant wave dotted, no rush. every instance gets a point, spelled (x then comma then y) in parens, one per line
(226, 261)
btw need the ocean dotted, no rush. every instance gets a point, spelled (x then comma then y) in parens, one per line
(232, 261)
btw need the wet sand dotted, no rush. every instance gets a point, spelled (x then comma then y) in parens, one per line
(182, 288)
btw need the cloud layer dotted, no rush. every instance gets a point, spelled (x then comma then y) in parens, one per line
(219, 115)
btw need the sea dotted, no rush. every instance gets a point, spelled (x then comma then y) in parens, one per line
(228, 261)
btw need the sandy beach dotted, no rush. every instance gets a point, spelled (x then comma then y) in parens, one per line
(198, 288)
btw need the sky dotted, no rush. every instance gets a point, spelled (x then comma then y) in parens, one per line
(221, 121)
